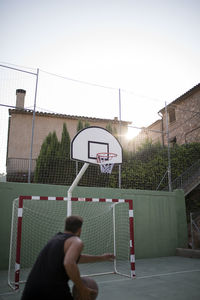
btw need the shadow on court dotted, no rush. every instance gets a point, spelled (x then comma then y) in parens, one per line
(170, 278)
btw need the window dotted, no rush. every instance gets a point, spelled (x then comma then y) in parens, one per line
(172, 141)
(172, 115)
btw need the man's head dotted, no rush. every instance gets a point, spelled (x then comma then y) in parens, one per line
(73, 224)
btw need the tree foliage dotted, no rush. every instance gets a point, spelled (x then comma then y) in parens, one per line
(47, 159)
(64, 147)
(82, 125)
(147, 168)
(53, 164)
(111, 129)
(79, 126)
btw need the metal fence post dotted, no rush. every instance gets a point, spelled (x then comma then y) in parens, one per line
(168, 150)
(120, 169)
(33, 126)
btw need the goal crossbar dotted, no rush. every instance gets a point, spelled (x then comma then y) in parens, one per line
(18, 225)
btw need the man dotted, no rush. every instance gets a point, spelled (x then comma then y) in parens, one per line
(57, 264)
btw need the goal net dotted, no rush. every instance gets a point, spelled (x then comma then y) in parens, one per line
(107, 228)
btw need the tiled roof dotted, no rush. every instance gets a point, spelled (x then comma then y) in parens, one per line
(57, 115)
(193, 90)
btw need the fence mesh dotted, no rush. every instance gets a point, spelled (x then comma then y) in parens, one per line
(154, 156)
(12, 79)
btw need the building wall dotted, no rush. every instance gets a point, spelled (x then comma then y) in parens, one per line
(19, 142)
(186, 127)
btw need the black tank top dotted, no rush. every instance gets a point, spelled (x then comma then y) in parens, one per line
(48, 278)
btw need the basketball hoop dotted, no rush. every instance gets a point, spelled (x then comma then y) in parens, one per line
(104, 160)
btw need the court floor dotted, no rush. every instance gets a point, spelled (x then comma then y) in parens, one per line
(165, 278)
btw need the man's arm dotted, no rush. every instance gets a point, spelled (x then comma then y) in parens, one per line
(85, 258)
(73, 248)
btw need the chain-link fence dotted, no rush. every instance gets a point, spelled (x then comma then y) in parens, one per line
(32, 144)
(11, 79)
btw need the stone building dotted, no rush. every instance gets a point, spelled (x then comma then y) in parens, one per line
(183, 118)
(183, 122)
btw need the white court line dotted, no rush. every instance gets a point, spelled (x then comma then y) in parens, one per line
(115, 280)
(8, 293)
(149, 276)
(167, 274)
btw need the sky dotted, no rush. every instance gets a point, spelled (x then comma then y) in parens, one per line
(149, 49)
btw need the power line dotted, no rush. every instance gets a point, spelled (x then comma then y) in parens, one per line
(81, 81)
(85, 82)
(16, 68)
(140, 95)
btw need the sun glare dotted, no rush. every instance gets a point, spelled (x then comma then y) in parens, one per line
(132, 132)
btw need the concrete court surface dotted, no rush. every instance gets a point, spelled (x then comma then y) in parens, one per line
(165, 278)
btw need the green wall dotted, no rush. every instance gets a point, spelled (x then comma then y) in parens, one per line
(160, 217)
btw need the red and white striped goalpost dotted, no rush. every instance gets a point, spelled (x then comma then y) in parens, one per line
(20, 221)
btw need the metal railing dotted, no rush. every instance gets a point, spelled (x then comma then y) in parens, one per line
(18, 169)
(189, 179)
(195, 229)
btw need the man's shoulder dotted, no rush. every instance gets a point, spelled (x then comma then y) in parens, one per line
(73, 241)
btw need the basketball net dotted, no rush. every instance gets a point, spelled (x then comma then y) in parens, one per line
(104, 161)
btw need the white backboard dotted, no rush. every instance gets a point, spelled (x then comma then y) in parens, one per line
(90, 141)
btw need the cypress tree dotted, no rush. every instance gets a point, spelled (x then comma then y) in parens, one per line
(46, 160)
(64, 150)
(79, 126)
(65, 165)
(86, 125)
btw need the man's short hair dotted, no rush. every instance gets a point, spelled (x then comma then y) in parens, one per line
(73, 223)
